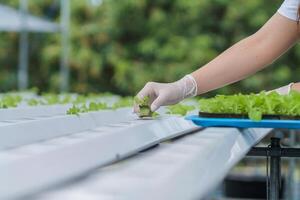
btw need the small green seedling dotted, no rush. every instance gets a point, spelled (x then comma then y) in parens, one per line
(123, 102)
(94, 106)
(32, 102)
(9, 101)
(254, 105)
(74, 110)
(179, 109)
(145, 111)
(144, 107)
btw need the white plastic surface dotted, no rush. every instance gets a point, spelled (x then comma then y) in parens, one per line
(41, 169)
(188, 168)
(30, 131)
(29, 112)
(42, 149)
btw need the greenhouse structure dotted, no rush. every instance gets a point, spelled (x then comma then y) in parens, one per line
(93, 146)
(21, 21)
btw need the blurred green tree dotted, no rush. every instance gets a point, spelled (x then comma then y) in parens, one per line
(121, 44)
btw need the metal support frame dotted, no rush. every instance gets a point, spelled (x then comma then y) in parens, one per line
(64, 69)
(24, 43)
(274, 152)
(291, 189)
(23, 48)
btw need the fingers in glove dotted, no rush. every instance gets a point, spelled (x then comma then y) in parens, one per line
(159, 101)
(136, 108)
(148, 90)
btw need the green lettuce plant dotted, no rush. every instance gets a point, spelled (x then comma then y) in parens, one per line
(33, 102)
(74, 110)
(123, 102)
(144, 108)
(253, 105)
(92, 106)
(8, 101)
(179, 109)
(95, 106)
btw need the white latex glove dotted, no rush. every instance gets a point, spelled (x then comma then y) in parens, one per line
(283, 90)
(162, 94)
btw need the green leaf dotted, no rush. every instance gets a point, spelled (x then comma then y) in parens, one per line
(179, 109)
(145, 111)
(255, 114)
(32, 102)
(123, 102)
(253, 105)
(144, 107)
(74, 110)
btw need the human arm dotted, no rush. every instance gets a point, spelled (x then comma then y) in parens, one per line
(239, 61)
(249, 55)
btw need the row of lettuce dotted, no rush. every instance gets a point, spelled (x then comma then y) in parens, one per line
(80, 103)
(255, 106)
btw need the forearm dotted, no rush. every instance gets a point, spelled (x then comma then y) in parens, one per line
(246, 57)
(239, 61)
(242, 59)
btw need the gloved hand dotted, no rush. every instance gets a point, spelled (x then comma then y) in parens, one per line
(284, 89)
(162, 94)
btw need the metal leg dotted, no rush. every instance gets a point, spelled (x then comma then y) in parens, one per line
(23, 48)
(64, 68)
(290, 191)
(275, 152)
(275, 175)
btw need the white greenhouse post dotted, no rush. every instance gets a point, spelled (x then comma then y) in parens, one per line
(23, 48)
(64, 68)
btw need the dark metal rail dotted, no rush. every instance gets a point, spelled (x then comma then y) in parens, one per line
(274, 152)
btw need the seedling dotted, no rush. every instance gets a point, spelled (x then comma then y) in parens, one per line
(179, 109)
(144, 108)
(123, 102)
(32, 102)
(255, 106)
(74, 110)
(50, 99)
(8, 101)
(93, 106)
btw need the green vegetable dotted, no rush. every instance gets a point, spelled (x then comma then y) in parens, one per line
(80, 99)
(253, 105)
(93, 106)
(74, 110)
(123, 102)
(8, 101)
(179, 109)
(3, 105)
(50, 99)
(255, 114)
(145, 111)
(32, 102)
(142, 102)
(144, 107)
(67, 98)
(155, 114)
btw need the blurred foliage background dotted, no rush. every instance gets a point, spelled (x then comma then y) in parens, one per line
(119, 45)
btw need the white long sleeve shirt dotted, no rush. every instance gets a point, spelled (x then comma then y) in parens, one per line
(289, 9)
